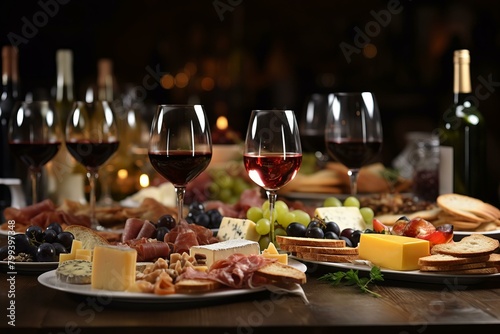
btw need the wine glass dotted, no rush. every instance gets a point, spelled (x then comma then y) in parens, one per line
(180, 146)
(272, 153)
(92, 138)
(312, 127)
(34, 137)
(353, 132)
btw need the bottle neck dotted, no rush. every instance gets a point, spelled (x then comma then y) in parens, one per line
(462, 88)
(10, 74)
(64, 91)
(105, 84)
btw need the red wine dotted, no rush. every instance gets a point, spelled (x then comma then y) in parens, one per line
(313, 141)
(272, 171)
(180, 167)
(92, 155)
(34, 155)
(354, 154)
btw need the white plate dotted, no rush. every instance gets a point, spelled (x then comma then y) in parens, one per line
(50, 280)
(410, 275)
(27, 267)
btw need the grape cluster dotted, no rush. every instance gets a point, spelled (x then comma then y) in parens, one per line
(319, 229)
(226, 185)
(41, 245)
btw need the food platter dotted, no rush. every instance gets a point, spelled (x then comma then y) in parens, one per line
(50, 280)
(27, 267)
(408, 276)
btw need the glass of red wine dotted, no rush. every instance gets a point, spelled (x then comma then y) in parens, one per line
(272, 153)
(353, 132)
(180, 146)
(34, 137)
(312, 127)
(92, 138)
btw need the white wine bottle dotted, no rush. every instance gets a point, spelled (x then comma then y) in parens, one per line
(463, 137)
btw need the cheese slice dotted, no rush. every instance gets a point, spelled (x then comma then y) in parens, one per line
(344, 216)
(113, 267)
(83, 254)
(272, 253)
(392, 251)
(75, 246)
(235, 228)
(222, 250)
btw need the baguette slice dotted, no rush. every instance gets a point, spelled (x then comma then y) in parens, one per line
(87, 236)
(328, 257)
(191, 286)
(450, 260)
(468, 207)
(470, 246)
(478, 271)
(303, 241)
(282, 273)
(455, 267)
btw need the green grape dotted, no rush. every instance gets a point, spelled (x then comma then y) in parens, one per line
(279, 231)
(254, 213)
(287, 219)
(214, 190)
(267, 214)
(263, 226)
(224, 181)
(264, 242)
(302, 217)
(280, 208)
(332, 201)
(225, 195)
(352, 201)
(239, 185)
(265, 205)
(367, 214)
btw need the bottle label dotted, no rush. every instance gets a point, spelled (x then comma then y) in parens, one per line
(445, 169)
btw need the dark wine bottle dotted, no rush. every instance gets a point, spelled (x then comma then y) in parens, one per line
(463, 137)
(9, 97)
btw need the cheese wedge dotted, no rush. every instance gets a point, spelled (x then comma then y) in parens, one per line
(344, 216)
(222, 250)
(272, 253)
(113, 267)
(83, 254)
(235, 228)
(75, 246)
(392, 251)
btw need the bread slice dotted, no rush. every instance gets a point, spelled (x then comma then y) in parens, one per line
(327, 257)
(468, 207)
(478, 271)
(455, 267)
(320, 250)
(302, 241)
(450, 260)
(87, 236)
(191, 286)
(282, 273)
(470, 246)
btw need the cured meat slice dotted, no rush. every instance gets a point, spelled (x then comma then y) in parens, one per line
(149, 249)
(131, 228)
(147, 230)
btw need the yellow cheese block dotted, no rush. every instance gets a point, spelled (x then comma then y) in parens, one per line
(113, 267)
(272, 253)
(75, 245)
(392, 251)
(83, 254)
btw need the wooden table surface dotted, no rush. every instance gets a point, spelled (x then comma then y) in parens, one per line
(405, 307)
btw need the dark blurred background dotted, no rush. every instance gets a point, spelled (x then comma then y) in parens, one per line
(236, 55)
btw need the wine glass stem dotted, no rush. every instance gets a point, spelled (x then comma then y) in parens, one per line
(271, 195)
(180, 191)
(353, 177)
(34, 174)
(92, 175)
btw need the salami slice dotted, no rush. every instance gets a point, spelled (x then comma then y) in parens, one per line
(131, 228)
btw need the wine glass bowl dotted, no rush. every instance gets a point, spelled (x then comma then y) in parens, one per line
(273, 153)
(353, 132)
(180, 146)
(34, 137)
(92, 138)
(312, 127)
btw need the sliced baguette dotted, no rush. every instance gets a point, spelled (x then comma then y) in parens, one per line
(282, 273)
(478, 271)
(87, 236)
(191, 286)
(470, 246)
(328, 257)
(450, 260)
(302, 241)
(468, 207)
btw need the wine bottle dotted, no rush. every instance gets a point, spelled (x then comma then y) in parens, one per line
(463, 137)
(105, 80)
(64, 183)
(10, 95)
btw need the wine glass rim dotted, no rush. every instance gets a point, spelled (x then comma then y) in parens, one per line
(179, 105)
(352, 93)
(272, 110)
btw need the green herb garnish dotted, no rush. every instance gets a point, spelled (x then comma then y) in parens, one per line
(351, 278)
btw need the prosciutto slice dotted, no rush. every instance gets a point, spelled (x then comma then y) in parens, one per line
(236, 271)
(149, 249)
(185, 235)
